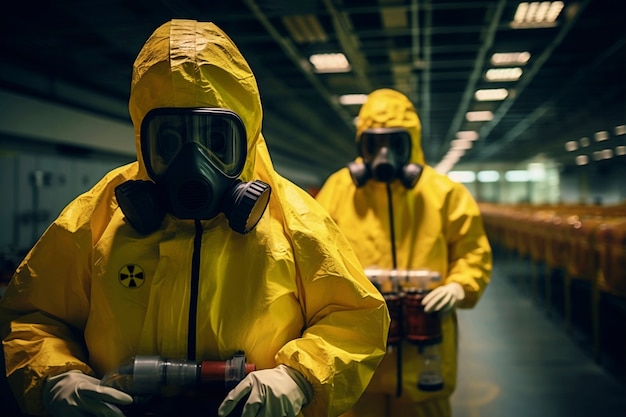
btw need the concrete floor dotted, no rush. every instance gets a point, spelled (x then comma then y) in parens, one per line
(514, 360)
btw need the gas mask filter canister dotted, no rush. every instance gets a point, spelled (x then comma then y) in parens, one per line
(193, 157)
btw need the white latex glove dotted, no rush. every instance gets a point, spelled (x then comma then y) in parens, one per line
(74, 394)
(443, 298)
(276, 392)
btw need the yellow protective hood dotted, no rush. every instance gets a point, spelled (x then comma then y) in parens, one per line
(389, 108)
(186, 63)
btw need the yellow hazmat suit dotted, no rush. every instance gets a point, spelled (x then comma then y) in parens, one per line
(289, 292)
(437, 227)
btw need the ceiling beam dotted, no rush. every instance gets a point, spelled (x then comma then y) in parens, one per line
(350, 45)
(300, 62)
(479, 64)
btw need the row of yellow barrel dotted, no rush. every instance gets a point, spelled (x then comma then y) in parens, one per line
(586, 242)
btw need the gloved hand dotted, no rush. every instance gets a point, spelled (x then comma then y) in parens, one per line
(443, 298)
(276, 392)
(74, 394)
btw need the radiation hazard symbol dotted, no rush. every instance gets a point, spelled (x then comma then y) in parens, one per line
(131, 276)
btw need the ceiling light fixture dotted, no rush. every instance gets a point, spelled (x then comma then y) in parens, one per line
(517, 175)
(503, 74)
(461, 144)
(326, 63)
(582, 160)
(491, 94)
(467, 134)
(462, 176)
(488, 176)
(479, 116)
(510, 58)
(571, 145)
(352, 99)
(601, 135)
(536, 14)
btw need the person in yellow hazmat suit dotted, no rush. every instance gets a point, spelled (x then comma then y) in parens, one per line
(400, 214)
(197, 250)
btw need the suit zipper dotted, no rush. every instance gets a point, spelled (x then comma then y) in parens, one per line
(193, 298)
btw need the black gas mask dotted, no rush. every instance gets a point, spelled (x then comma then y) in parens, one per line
(386, 153)
(193, 157)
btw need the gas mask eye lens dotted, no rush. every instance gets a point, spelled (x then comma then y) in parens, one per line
(394, 140)
(217, 134)
(218, 143)
(370, 145)
(168, 143)
(402, 145)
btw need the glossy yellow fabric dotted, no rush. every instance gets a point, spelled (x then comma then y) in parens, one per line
(437, 226)
(289, 292)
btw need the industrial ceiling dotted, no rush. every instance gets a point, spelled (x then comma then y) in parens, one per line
(79, 54)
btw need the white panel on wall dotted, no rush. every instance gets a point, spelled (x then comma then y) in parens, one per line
(26, 230)
(56, 190)
(8, 164)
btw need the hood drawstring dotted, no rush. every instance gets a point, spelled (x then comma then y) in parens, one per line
(395, 265)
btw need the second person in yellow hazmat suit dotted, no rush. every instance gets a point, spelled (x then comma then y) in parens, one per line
(400, 214)
(198, 250)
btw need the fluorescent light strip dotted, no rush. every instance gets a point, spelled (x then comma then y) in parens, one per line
(488, 176)
(601, 135)
(517, 176)
(571, 146)
(491, 94)
(467, 134)
(461, 144)
(462, 176)
(510, 58)
(325, 63)
(582, 160)
(535, 12)
(352, 99)
(478, 116)
(503, 74)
